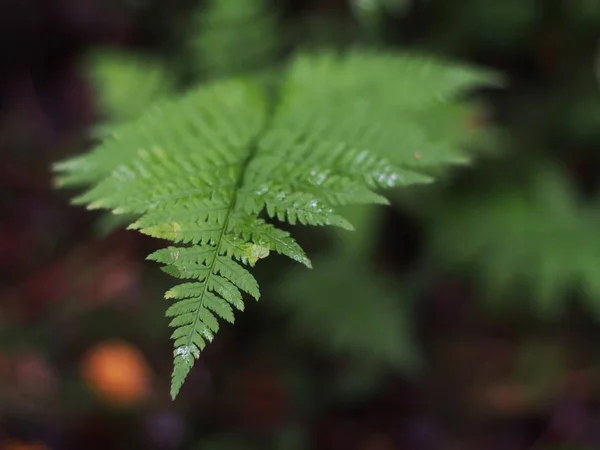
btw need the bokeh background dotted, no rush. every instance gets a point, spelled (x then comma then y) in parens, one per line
(465, 316)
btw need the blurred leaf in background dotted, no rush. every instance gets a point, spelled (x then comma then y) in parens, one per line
(126, 83)
(233, 37)
(345, 307)
(535, 235)
(371, 13)
(348, 309)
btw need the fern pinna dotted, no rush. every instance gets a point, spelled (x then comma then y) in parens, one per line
(208, 170)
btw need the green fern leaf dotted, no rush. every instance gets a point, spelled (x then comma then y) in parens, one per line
(200, 170)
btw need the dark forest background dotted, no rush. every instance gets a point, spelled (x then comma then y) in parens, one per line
(77, 298)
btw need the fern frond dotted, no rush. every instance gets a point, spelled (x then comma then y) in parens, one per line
(538, 236)
(200, 170)
(410, 101)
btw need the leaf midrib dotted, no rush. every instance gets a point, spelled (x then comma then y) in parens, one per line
(253, 146)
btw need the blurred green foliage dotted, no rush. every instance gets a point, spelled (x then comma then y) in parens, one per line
(534, 238)
(126, 83)
(519, 225)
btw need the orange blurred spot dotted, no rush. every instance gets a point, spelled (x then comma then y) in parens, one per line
(18, 445)
(418, 156)
(117, 372)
